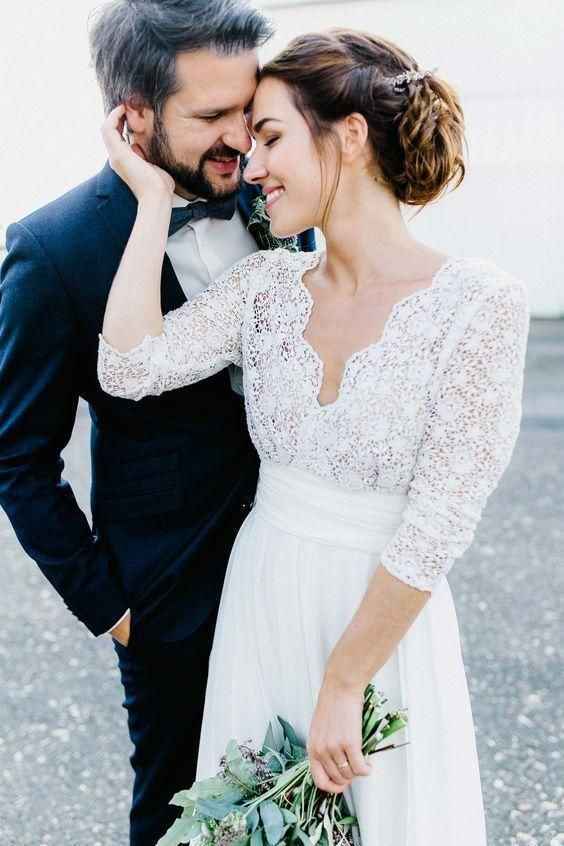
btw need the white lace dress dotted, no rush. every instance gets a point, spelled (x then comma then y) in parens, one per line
(395, 472)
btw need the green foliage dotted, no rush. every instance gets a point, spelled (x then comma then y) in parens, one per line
(259, 227)
(268, 798)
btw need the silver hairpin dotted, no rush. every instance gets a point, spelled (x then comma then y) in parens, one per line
(405, 78)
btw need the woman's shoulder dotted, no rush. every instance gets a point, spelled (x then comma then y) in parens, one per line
(479, 279)
(270, 267)
(279, 257)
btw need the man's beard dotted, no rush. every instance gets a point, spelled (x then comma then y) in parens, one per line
(192, 180)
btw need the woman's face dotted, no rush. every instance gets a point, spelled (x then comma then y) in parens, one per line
(285, 162)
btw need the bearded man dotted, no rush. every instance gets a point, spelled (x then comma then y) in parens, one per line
(173, 476)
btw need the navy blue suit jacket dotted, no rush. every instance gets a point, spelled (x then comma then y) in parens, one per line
(171, 475)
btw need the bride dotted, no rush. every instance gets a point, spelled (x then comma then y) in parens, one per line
(383, 384)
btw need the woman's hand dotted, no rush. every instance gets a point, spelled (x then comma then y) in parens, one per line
(129, 162)
(335, 738)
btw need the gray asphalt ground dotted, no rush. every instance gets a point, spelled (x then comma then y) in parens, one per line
(64, 771)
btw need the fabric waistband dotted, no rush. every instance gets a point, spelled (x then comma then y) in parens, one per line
(303, 504)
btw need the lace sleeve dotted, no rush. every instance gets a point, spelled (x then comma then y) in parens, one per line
(473, 425)
(198, 339)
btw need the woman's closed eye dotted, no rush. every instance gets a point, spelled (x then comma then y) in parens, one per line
(271, 141)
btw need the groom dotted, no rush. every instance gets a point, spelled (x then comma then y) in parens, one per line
(173, 476)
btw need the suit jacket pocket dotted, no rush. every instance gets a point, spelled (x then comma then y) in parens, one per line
(140, 487)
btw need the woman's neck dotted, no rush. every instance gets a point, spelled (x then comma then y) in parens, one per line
(368, 241)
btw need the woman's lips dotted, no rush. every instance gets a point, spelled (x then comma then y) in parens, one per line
(224, 166)
(273, 196)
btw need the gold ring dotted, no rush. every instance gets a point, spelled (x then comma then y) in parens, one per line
(343, 765)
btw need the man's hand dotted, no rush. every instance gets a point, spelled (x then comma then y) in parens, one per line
(122, 631)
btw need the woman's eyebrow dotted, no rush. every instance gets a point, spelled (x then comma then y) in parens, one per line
(260, 123)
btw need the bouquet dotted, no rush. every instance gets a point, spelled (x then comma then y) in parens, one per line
(268, 797)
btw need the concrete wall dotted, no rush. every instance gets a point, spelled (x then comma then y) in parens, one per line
(504, 57)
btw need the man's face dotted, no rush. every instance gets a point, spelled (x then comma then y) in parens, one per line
(202, 131)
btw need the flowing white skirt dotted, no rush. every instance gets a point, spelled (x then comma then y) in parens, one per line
(298, 571)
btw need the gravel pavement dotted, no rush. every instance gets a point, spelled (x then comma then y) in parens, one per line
(64, 771)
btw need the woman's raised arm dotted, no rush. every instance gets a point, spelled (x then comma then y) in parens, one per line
(141, 352)
(133, 309)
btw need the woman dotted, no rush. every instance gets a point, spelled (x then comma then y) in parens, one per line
(383, 383)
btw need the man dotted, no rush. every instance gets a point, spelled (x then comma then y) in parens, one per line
(172, 476)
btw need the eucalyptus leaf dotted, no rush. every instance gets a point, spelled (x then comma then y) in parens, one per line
(299, 753)
(208, 788)
(277, 757)
(256, 838)
(232, 751)
(182, 799)
(289, 732)
(288, 816)
(181, 831)
(269, 741)
(234, 794)
(253, 820)
(273, 822)
(302, 837)
(243, 772)
(274, 765)
(217, 809)
(316, 834)
(328, 828)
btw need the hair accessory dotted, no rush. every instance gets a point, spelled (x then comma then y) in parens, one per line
(400, 81)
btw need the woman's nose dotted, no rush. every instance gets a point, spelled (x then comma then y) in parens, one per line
(255, 171)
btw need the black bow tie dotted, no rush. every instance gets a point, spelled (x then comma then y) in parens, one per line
(221, 209)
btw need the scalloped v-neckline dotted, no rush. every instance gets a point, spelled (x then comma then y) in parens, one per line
(374, 345)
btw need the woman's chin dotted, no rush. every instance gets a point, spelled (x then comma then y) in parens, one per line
(286, 230)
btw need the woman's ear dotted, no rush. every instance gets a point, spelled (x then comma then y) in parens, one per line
(354, 134)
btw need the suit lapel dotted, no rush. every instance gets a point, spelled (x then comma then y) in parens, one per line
(172, 294)
(118, 207)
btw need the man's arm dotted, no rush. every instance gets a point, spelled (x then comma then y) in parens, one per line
(38, 402)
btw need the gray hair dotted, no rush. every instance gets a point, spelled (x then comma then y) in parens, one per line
(133, 43)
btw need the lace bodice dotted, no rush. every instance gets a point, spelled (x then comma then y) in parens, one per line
(431, 410)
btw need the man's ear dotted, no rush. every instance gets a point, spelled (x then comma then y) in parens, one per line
(139, 118)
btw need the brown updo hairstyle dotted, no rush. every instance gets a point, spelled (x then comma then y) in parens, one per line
(416, 128)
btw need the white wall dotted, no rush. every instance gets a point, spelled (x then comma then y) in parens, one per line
(504, 57)
(505, 60)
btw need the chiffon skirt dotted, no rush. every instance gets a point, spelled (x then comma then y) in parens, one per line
(298, 571)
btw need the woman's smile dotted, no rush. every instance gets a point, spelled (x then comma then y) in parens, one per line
(272, 195)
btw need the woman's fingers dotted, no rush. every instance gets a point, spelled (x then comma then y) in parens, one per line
(357, 762)
(112, 131)
(322, 780)
(130, 162)
(331, 764)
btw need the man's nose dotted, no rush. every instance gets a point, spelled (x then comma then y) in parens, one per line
(238, 137)
(255, 170)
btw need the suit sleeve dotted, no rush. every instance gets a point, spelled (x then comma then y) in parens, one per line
(38, 402)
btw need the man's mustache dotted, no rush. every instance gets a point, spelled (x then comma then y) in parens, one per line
(222, 153)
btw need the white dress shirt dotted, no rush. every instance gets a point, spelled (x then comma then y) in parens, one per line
(199, 253)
